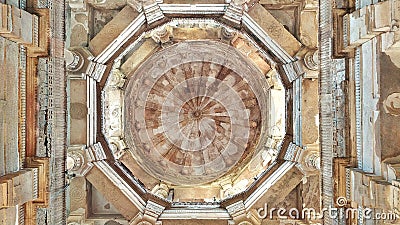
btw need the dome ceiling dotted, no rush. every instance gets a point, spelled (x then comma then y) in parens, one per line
(193, 103)
(193, 113)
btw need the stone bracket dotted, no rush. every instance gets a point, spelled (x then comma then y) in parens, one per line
(95, 70)
(293, 70)
(152, 212)
(96, 152)
(240, 215)
(234, 13)
(237, 209)
(293, 153)
(152, 11)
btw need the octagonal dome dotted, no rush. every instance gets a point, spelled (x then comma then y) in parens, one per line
(193, 111)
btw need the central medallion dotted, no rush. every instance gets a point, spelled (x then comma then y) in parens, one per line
(192, 115)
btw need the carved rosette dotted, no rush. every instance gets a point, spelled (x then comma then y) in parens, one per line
(311, 60)
(73, 60)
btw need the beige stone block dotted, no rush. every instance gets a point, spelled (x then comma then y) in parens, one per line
(274, 29)
(260, 62)
(112, 30)
(144, 51)
(3, 194)
(309, 29)
(396, 10)
(25, 188)
(195, 33)
(5, 18)
(15, 29)
(78, 194)
(184, 194)
(27, 27)
(112, 193)
(128, 160)
(382, 16)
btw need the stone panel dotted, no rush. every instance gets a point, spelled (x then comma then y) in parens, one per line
(112, 193)
(275, 29)
(112, 29)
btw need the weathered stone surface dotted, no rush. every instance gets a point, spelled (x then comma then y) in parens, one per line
(138, 56)
(8, 215)
(308, 30)
(78, 112)
(195, 33)
(107, 4)
(181, 194)
(128, 160)
(275, 29)
(9, 62)
(218, 108)
(78, 193)
(112, 29)
(112, 193)
(389, 142)
(280, 189)
(309, 111)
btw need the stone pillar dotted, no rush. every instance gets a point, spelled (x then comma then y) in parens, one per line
(311, 60)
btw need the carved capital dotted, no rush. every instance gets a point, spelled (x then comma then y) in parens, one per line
(161, 190)
(162, 34)
(78, 161)
(311, 60)
(73, 60)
